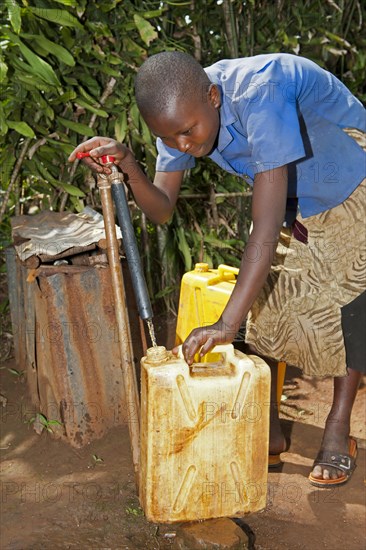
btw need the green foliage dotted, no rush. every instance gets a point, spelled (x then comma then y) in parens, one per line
(14, 372)
(66, 73)
(56, 64)
(42, 422)
(134, 511)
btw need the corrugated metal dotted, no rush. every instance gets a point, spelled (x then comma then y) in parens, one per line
(80, 379)
(21, 309)
(67, 340)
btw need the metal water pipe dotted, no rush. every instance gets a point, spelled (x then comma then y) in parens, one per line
(105, 183)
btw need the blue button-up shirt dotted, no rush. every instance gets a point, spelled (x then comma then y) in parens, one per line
(282, 109)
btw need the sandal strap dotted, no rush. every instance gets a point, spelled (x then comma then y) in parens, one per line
(343, 462)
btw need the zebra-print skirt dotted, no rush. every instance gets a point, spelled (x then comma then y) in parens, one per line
(297, 316)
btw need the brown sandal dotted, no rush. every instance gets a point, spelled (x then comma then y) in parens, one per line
(344, 462)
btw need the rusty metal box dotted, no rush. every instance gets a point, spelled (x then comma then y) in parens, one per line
(66, 341)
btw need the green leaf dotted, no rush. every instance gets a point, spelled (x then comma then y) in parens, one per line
(14, 371)
(184, 248)
(60, 17)
(7, 161)
(85, 94)
(55, 49)
(44, 70)
(98, 112)
(91, 84)
(21, 127)
(14, 15)
(337, 38)
(82, 129)
(3, 126)
(38, 65)
(131, 46)
(214, 241)
(66, 147)
(46, 174)
(67, 2)
(42, 418)
(146, 134)
(70, 80)
(178, 3)
(114, 59)
(77, 203)
(108, 70)
(64, 98)
(145, 28)
(135, 115)
(120, 126)
(72, 190)
(3, 70)
(31, 81)
(153, 13)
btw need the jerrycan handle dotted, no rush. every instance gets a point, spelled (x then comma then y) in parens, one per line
(226, 349)
(222, 269)
(224, 273)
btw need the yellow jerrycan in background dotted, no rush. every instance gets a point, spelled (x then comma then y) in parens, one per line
(204, 435)
(204, 293)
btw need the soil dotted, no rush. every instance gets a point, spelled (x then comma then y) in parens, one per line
(57, 497)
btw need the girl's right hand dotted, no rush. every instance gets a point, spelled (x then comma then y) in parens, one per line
(97, 147)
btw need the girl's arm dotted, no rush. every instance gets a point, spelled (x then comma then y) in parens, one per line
(268, 212)
(157, 199)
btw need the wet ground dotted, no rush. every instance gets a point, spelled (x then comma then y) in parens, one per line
(56, 497)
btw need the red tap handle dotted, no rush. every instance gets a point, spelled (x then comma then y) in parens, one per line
(105, 159)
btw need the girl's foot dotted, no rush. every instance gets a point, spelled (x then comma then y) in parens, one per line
(277, 441)
(336, 459)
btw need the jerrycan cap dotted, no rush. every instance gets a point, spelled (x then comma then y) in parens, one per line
(201, 267)
(157, 354)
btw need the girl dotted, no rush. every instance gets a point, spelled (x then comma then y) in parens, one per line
(291, 129)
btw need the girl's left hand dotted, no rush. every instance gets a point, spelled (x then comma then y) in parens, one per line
(203, 339)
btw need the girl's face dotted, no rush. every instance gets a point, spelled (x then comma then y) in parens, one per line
(192, 126)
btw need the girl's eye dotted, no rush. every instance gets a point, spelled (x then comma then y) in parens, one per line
(187, 132)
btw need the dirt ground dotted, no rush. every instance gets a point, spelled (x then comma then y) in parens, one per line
(56, 497)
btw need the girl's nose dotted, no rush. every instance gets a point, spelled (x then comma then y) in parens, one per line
(182, 145)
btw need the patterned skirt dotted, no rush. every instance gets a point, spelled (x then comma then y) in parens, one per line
(297, 315)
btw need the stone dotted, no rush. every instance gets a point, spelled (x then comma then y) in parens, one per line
(213, 534)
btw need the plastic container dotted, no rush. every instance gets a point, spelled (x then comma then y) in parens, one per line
(204, 294)
(204, 435)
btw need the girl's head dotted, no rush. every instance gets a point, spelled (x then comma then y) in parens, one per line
(178, 102)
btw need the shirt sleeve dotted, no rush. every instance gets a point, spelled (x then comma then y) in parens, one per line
(271, 118)
(172, 160)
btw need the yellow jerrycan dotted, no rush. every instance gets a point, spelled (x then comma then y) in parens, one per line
(204, 293)
(204, 435)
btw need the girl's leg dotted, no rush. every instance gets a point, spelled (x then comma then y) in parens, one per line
(337, 427)
(277, 441)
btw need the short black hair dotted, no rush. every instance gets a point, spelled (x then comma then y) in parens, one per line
(168, 77)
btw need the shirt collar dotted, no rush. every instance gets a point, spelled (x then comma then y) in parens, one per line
(227, 117)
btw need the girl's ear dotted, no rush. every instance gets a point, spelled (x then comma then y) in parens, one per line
(214, 96)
